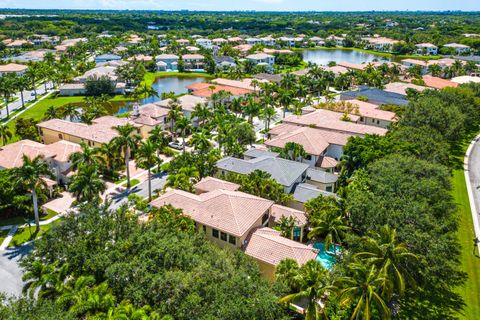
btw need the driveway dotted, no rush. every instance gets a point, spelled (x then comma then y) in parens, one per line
(10, 272)
(158, 182)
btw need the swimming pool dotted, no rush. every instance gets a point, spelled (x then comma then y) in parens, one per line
(326, 258)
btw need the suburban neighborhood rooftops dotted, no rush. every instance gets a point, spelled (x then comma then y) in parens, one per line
(330, 120)
(259, 56)
(13, 67)
(466, 79)
(232, 212)
(187, 102)
(371, 110)
(166, 57)
(108, 56)
(321, 176)
(208, 184)
(456, 45)
(284, 171)
(376, 96)
(269, 246)
(401, 87)
(305, 192)
(438, 83)
(62, 149)
(242, 84)
(279, 211)
(313, 140)
(11, 155)
(206, 90)
(256, 153)
(192, 57)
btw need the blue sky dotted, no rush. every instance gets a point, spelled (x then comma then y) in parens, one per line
(269, 5)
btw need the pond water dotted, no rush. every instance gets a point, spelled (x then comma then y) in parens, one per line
(323, 57)
(176, 84)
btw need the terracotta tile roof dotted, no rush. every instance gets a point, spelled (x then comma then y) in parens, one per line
(330, 120)
(242, 84)
(232, 212)
(62, 149)
(438, 83)
(279, 211)
(193, 57)
(269, 246)
(101, 130)
(313, 140)
(141, 57)
(199, 86)
(208, 184)
(13, 67)
(354, 66)
(328, 162)
(371, 110)
(11, 155)
(187, 102)
(207, 91)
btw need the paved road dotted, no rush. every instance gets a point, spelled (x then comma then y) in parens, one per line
(10, 272)
(158, 182)
(474, 174)
(17, 104)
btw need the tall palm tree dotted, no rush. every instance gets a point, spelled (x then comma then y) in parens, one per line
(52, 113)
(33, 74)
(146, 159)
(111, 153)
(285, 98)
(71, 112)
(7, 88)
(202, 112)
(389, 257)
(5, 134)
(87, 157)
(327, 220)
(45, 279)
(360, 289)
(183, 124)
(87, 185)
(267, 114)
(293, 151)
(200, 140)
(127, 140)
(21, 85)
(30, 175)
(313, 284)
(174, 112)
(286, 272)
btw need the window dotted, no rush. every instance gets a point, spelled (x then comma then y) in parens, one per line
(223, 236)
(361, 119)
(297, 233)
(232, 240)
(373, 120)
(205, 229)
(329, 188)
(265, 219)
(308, 157)
(215, 233)
(60, 136)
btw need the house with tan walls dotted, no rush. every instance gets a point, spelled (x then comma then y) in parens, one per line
(234, 219)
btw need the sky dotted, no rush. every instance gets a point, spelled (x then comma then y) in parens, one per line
(259, 5)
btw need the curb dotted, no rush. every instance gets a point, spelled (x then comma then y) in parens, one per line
(473, 207)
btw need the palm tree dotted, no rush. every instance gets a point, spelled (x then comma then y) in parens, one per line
(30, 175)
(22, 84)
(52, 113)
(286, 271)
(46, 279)
(183, 124)
(5, 134)
(33, 74)
(286, 226)
(389, 257)
(285, 98)
(200, 140)
(111, 153)
(183, 179)
(128, 141)
(174, 112)
(87, 157)
(7, 88)
(313, 284)
(146, 159)
(360, 290)
(87, 185)
(268, 114)
(435, 70)
(160, 141)
(70, 111)
(327, 220)
(202, 112)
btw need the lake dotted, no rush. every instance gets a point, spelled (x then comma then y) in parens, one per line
(176, 84)
(323, 57)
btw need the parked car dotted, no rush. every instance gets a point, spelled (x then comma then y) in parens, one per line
(176, 145)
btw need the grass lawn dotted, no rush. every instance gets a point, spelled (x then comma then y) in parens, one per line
(133, 183)
(470, 261)
(27, 234)
(49, 215)
(151, 76)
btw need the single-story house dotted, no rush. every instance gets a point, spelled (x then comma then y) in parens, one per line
(78, 89)
(167, 62)
(18, 69)
(375, 96)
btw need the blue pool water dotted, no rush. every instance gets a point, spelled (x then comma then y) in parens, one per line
(327, 259)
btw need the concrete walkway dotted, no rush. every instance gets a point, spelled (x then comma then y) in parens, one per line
(472, 178)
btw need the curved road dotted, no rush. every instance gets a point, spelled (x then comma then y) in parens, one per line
(474, 176)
